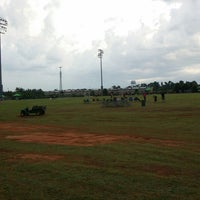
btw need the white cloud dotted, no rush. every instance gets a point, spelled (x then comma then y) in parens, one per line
(147, 40)
(193, 69)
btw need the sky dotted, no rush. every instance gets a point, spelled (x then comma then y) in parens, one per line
(143, 41)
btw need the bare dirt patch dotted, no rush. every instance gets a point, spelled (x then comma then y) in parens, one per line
(60, 136)
(23, 128)
(72, 139)
(159, 170)
(36, 157)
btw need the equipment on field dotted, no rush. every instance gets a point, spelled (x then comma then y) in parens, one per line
(35, 110)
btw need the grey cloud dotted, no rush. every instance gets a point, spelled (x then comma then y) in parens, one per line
(153, 59)
(145, 54)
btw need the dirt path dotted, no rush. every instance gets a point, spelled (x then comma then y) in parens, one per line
(56, 135)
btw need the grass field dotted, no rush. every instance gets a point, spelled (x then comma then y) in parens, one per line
(87, 151)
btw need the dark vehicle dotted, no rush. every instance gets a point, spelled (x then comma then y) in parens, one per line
(35, 110)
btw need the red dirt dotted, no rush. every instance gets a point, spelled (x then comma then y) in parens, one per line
(159, 170)
(72, 139)
(56, 135)
(37, 157)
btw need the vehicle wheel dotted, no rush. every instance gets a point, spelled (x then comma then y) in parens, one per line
(22, 114)
(42, 112)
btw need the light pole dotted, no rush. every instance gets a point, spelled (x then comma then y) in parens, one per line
(100, 55)
(60, 80)
(3, 29)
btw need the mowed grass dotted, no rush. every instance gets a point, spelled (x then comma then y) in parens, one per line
(164, 163)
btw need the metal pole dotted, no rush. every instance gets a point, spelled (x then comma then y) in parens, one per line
(60, 79)
(3, 29)
(101, 76)
(100, 55)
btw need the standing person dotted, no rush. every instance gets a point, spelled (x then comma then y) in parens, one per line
(155, 98)
(144, 96)
(163, 96)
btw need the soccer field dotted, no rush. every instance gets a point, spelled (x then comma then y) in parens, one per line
(83, 150)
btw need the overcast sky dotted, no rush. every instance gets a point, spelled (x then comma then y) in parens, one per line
(142, 40)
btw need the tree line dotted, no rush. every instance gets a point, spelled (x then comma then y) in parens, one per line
(21, 93)
(167, 87)
(178, 87)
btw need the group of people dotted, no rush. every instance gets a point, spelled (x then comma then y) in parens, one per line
(154, 97)
(124, 98)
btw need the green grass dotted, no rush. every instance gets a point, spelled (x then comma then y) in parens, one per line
(131, 169)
